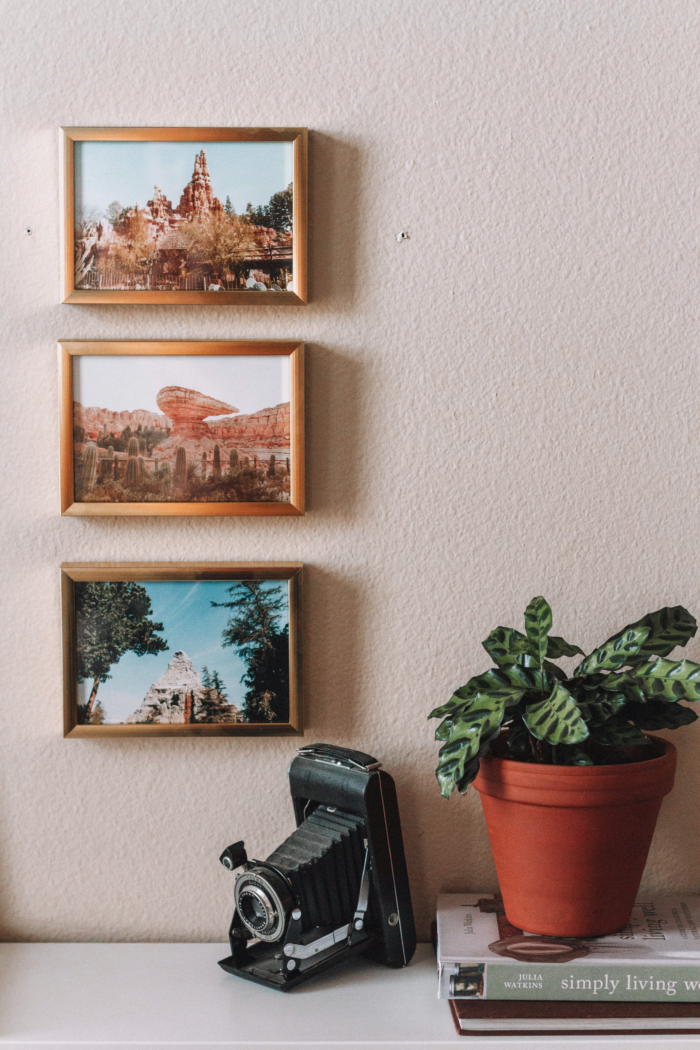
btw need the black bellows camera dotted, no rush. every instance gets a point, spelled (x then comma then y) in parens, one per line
(338, 885)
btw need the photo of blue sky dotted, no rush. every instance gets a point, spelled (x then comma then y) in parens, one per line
(247, 172)
(190, 623)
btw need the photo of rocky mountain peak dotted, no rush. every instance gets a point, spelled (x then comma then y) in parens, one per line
(231, 230)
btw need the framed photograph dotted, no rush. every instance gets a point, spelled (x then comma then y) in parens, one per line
(177, 649)
(182, 428)
(184, 215)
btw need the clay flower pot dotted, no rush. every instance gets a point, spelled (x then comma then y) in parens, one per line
(570, 842)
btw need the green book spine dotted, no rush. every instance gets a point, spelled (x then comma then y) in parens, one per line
(644, 982)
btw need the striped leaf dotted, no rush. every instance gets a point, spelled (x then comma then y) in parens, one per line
(497, 682)
(556, 719)
(670, 680)
(614, 653)
(573, 756)
(598, 711)
(481, 720)
(668, 627)
(506, 646)
(451, 771)
(557, 647)
(499, 679)
(657, 714)
(624, 682)
(617, 732)
(466, 711)
(444, 729)
(468, 734)
(538, 624)
(460, 698)
(471, 768)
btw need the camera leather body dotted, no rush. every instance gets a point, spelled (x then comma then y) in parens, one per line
(337, 886)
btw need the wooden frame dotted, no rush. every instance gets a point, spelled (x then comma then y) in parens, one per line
(299, 138)
(67, 349)
(71, 573)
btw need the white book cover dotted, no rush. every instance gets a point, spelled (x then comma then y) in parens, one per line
(654, 958)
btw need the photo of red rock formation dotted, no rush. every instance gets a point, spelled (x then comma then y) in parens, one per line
(199, 449)
(200, 244)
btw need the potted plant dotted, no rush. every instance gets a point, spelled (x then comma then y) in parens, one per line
(570, 783)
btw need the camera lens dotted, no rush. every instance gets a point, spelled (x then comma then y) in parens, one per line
(254, 909)
(262, 904)
(257, 910)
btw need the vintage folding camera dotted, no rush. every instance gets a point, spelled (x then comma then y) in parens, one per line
(337, 886)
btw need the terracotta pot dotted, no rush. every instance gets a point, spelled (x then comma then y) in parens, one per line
(570, 842)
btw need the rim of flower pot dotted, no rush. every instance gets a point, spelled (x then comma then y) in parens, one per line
(537, 784)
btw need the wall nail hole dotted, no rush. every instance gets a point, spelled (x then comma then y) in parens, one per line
(403, 236)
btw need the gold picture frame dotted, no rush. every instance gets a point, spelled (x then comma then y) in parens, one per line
(160, 282)
(285, 498)
(229, 574)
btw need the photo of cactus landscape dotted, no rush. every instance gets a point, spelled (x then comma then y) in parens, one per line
(230, 228)
(182, 652)
(167, 428)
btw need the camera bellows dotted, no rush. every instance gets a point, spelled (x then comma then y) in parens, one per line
(323, 860)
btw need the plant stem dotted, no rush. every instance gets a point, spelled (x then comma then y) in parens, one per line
(532, 747)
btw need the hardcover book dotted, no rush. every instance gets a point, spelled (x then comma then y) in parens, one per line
(655, 958)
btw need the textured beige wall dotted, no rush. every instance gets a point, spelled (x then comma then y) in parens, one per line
(502, 406)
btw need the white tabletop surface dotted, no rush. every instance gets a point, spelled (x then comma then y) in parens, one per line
(173, 995)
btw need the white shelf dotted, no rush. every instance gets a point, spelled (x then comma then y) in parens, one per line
(174, 995)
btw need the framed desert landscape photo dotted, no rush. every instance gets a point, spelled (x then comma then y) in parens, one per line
(173, 428)
(184, 215)
(178, 649)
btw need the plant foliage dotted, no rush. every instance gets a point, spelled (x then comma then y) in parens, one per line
(530, 709)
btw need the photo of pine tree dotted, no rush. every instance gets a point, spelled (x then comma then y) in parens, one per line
(182, 652)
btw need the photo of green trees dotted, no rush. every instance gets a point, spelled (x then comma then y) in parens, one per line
(182, 652)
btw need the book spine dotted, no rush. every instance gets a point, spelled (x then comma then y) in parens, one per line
(645, 982)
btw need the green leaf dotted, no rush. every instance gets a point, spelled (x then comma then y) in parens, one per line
(623, 682)
(471, 768)
(479, 721)
(669, 680)
(614, 653)
(556, 719)
(497, 681)
(573, 756)
(556, 672)
(557, 647)
(657, 714)
(507, 646)
(538, 624)
(444, 729)
(451, 771)
(467, 736)
(668, 627)
(457, 700)
(501, 680)
(617, 732)
(598, 711)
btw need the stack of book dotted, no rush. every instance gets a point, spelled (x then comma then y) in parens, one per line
(499, 979)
